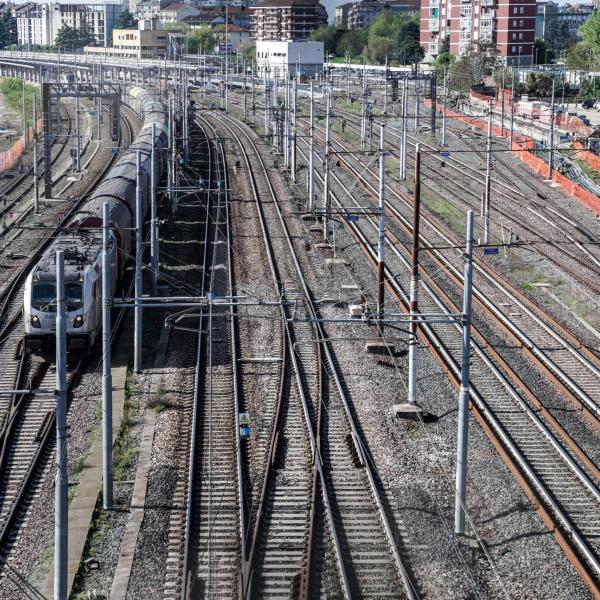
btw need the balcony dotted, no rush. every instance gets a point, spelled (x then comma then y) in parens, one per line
(434, 25)
(488, 3)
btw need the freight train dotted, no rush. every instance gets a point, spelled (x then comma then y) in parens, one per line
(82, 243)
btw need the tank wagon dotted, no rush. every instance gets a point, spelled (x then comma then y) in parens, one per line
(82, 243)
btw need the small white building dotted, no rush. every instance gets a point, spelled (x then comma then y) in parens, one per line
(283, 59)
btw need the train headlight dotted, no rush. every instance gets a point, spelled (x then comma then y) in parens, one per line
(35, 322)
(78, 321)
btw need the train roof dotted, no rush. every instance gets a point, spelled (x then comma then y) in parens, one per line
(80, 249)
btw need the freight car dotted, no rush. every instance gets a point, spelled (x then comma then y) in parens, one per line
(82, 243)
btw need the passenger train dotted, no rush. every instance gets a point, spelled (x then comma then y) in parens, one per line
(83, 247)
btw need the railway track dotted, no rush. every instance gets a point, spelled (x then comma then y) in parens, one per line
(546, 462)
(572, 368)
(539, 215)
(26, 422)
(359, 538)
(215, 506)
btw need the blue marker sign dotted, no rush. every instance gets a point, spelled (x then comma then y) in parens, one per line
(352, 218)
(490, 250)
(445, 153)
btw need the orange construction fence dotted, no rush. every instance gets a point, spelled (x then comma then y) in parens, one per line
(10, 157)
(521, 146)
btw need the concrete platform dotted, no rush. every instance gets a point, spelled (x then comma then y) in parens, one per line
(330, 262)
(83, 504)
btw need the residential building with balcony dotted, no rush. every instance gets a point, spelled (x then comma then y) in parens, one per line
(286, 20)
(508, 26)
(38, 23)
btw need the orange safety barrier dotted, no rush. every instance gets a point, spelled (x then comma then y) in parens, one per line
(590, 158)
(521, 146)
(10, 157)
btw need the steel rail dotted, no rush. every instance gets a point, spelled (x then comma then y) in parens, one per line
(561, 526)
(559, 377)
(333, 370)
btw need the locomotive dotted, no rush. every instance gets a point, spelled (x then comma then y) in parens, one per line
(82, 243)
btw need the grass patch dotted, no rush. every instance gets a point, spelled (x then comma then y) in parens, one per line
(125, 450)
(12, 92)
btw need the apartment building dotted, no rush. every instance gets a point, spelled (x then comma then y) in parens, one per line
(38, 23)
(147, 41)
(361, 14)
(507, 25)
(286, 20)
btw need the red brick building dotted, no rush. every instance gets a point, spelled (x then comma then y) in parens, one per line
(507, 24)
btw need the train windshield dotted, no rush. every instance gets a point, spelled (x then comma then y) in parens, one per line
(43, 296)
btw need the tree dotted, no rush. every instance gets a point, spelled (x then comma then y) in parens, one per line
(8, 30)
(66, 38)
(85, 35)
(558, 36)
(201, 39)
(443, 61)
(471, 68)
(540, 84)
(327, 34)
(126, 20)
(409, 47)
(351, 42)
(382, 38)
(541, 52)
(582, 57)
(590, 31)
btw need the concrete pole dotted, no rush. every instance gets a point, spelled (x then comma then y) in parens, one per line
(169, 144)
(552, 117)
(414, 283)
(488, 179)
(36, 189)
(311, 154)
(463, 402)
(77, 137)
(267, 97)
(326, 173)
(253, 96)
(61, 491)
(107, 470)
(381, 245)
(363, 121)
(137, 356)
(245, 99)
(153, 217)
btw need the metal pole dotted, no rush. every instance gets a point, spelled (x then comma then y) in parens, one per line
(36, 189)
(293, 145)
(463, 402)
(502, 113)
(363, 121)
(417, 103)
(137, 356)
(153, 217)
(107, 471)
(381, 245)
(311, 153)
(326, 173)
(47, 116)
(444, 106)
(286, 136)
(77, 137)
(24, 111)
(433, 94)
(385, 93)
(552, 115)
(226, 59)
(488, 179)
(414, 282)
(61, 493)
(512, 112)
(404, 144)
(245, 100)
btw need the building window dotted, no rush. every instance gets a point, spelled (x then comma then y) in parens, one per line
(522, 10)
(520, 22)
(514, 23)
(520, 36)
(514, 49)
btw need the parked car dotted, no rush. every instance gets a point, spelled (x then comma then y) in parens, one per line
(597, 105)
(589, 103)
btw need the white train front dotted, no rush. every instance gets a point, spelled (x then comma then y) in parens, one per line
(82, 245)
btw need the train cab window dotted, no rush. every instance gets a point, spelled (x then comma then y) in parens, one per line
(44, 294)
